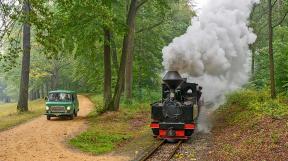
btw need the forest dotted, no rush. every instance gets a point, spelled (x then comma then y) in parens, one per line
(112, 50)
(80, 45)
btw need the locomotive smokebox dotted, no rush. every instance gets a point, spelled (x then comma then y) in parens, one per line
(172, 79)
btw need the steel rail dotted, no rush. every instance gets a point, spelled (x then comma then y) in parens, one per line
(146, 157)
(175, 150)
(152, 151)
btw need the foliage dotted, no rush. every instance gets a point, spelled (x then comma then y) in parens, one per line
(150, 40)
(259, 102)
(70, 34)
(281, 57)
(98, 100)
(259, 23)
(12, 19)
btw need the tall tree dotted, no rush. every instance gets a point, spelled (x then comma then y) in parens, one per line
(129, 69)
(107, 68)
(252, 47)
(271, 56)
(158, 5)
(127, 45)
(24, 83)
(107, 60)
(129, 63)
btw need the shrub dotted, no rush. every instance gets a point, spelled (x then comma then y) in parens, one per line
(258, 101)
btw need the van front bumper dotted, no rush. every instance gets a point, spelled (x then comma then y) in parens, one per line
(54, 114)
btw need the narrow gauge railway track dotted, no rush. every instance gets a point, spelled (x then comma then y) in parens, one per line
(171, 153)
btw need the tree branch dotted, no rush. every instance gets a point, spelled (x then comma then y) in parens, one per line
(281, 21)
(141, 4)
(274, 3)
(265, 10)
(150, 27)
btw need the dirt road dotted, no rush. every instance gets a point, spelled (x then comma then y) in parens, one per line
(42, 140)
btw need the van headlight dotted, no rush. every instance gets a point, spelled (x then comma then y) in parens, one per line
(47, 108)
(68, 108)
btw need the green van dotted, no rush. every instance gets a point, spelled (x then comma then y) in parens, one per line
(62, 103)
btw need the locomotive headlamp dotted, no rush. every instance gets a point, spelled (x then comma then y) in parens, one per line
(47, 108)
(68, 108)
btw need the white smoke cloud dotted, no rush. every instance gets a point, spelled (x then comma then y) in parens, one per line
(214, 51)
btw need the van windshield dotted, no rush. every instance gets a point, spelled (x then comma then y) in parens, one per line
(59, 97)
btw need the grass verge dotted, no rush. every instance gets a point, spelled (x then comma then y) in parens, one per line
(112, 129)
(9, 116)
(251, 126)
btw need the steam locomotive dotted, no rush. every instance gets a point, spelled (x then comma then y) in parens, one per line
(174, 116)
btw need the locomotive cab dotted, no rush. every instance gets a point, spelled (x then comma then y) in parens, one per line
(174, 116)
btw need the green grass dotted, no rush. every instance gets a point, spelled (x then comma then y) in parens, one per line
(110, 130)
(259, 103)
(9, 116)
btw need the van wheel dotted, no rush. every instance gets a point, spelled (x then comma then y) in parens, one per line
(71, 117)
(75, 113)
(48, 117)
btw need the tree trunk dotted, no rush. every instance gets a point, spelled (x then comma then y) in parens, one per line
(7, 99)
(31, 95)
(38, 94)
(271, 57)
(34, 94)
(253, 61)
(140, 70)
(126, 46)
(129, 67)
(24, 84)
(42, 93)
(107, 69)
(114, 54)
(55, 78)
(46, 88)
(252, 46)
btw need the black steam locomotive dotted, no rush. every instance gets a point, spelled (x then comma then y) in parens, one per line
(174, 116)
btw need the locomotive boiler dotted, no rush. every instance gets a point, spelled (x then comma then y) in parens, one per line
(174, 116)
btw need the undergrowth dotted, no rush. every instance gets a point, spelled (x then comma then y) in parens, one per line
(250, 120)
(109, 130)
(259, 102)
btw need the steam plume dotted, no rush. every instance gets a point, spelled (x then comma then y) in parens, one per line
(214, 51)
